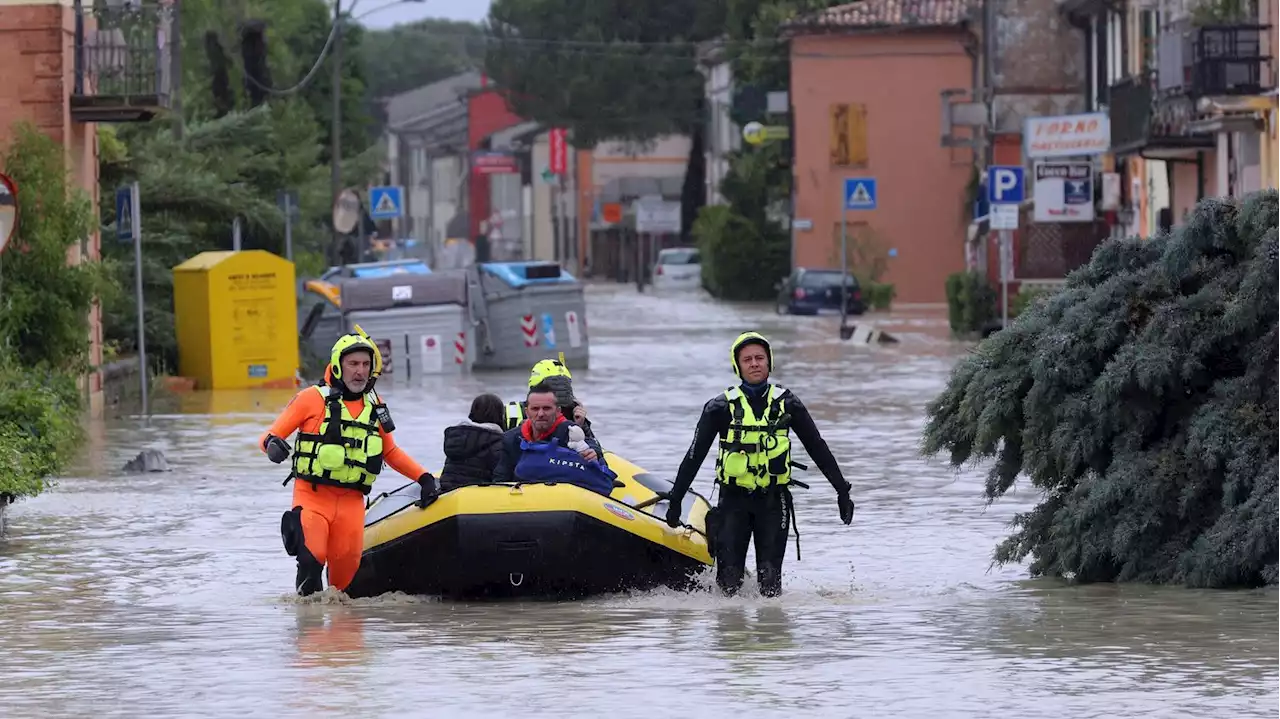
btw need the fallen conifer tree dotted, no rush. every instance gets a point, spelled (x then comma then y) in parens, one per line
(1141, 400)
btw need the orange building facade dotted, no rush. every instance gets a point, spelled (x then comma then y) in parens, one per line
(865, 86)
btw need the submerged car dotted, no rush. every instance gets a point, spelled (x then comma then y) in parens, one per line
(678, 268)
(817, 291)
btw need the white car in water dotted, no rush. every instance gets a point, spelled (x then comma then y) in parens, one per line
(678, 268)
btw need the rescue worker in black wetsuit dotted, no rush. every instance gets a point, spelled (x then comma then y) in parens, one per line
(554, 374)
(753, 467)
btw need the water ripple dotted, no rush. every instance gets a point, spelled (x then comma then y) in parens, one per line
(168, 594)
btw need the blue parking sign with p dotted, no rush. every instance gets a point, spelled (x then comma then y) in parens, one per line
(1006, 185)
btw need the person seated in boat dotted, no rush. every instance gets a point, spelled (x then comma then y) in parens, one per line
(471, 447)
(554, 374)
(548, 447)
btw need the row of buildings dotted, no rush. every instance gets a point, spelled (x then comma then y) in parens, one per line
(1161, 102)
(1129, 112)
(473, 171)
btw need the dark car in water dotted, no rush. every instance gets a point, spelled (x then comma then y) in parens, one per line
(816, 291)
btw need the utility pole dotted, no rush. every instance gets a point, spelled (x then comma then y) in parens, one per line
(335, 123)
(988, 132)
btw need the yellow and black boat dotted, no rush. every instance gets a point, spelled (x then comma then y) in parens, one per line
(532, 540)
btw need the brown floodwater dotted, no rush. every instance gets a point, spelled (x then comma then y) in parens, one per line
(168, 594)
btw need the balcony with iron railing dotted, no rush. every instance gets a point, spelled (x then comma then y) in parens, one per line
(122, 59)
(1150, 122)
(1212, 59)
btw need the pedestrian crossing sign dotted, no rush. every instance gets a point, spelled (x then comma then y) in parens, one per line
(860, 193)
(124, 213)
(386, 203)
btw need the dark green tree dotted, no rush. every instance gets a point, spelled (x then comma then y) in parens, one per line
(758, 185)
(193, 188)
(44, 314)
(407, 56)
(1141, 400)
(294, 33)
(608, 70)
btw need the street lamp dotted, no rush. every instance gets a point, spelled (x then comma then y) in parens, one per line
(335, 123)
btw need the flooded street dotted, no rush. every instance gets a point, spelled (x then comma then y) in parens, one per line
(169, 594)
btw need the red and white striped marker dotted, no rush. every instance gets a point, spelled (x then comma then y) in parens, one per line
(460, 349)
(530, 330)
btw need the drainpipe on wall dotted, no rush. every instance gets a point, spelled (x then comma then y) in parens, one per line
(988, 78)
(791, 134)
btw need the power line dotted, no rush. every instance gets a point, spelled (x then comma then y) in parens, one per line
(765, 44)
(315, 67)
(617, 50)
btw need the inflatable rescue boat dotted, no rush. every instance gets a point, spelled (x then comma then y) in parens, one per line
(532, 540)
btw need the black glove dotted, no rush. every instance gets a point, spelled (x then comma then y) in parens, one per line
(277, 449)
(846, 506)
(429, 488)
(673, 510)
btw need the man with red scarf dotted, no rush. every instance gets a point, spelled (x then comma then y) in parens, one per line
(537, 450)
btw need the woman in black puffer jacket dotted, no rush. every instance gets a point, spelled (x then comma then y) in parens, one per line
(471, 448)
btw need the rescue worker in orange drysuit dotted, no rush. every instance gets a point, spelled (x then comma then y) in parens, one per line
(344, 437)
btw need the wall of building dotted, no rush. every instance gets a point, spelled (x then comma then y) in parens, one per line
(446, 188)
(921, 185)
(1039, 67)
(585, 198)
(542, 243)
(666, 156)
(723, 136)
(487, 112)
(37, 44)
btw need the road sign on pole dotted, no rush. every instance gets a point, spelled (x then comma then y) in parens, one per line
(1006, 184)
(860, 193)
(386, 203)
(1006, 274)
(129, 226)
(288, 200)
(346, 211)
(124, 213)
(8, 210)
(1003, 217)
(757, 133)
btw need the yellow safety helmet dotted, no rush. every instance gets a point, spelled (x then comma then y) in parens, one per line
(548, 368)
(377, 353)
(749, 338)
(354, 342)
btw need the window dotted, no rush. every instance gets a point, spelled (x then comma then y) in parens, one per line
(1101, 46)
(1148, 29)
(679, 256)
(825, 279)
(713, 134)
(444, 180)
(1090, 77)
(421, 167)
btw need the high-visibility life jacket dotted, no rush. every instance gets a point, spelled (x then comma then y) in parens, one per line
(346, 451)
(755, 452)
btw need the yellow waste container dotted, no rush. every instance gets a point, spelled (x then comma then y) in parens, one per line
(236, 316)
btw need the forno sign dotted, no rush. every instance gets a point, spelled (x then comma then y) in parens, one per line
(1067, 135)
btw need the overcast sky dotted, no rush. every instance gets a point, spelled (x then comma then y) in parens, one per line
(396, 13)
